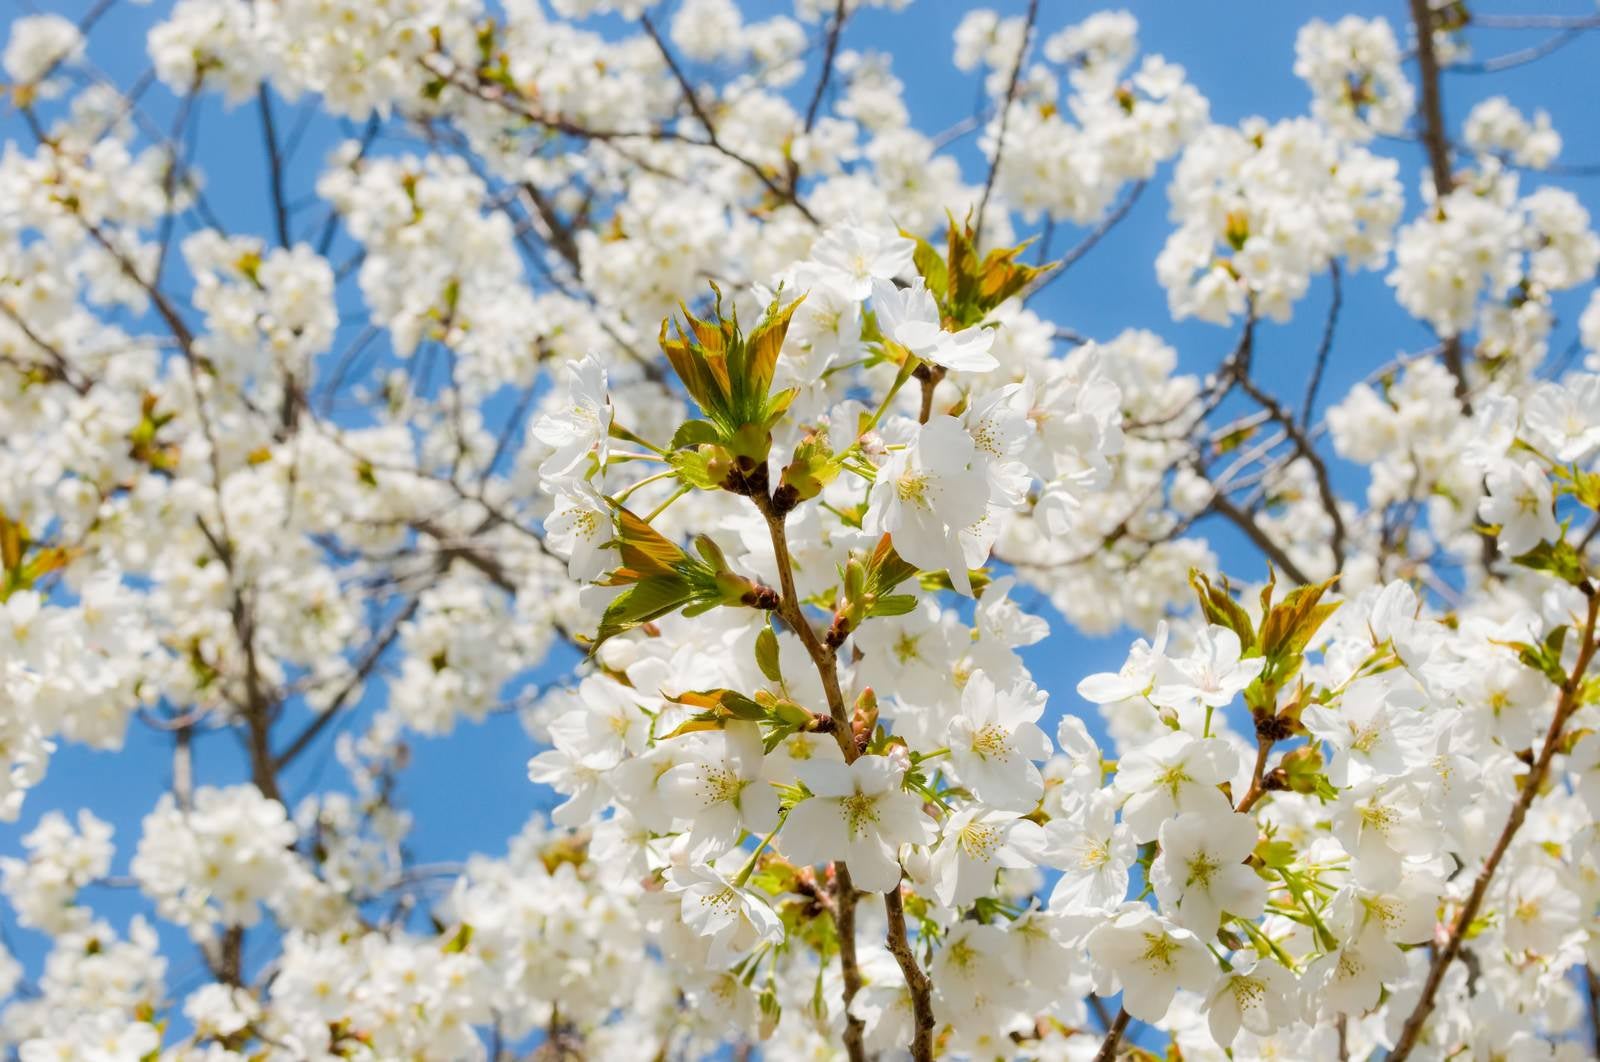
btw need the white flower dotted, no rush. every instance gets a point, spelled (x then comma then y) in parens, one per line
(1349, 979)
(1257, 996)
(1136, 676)
(580, 527)
(1084, 767)
(1375, 731)
(1564, 418)
(995, 739)
(852, 259)
(910, 317)
(926, 494)
(577, 777)
(1210, 676)
(605, 724)
(722, 789)
(582, 428)
(859, 814)
(1382, 825)
(1093, 851)
(1151, 958)
(736, 920)
(1584, 763)
(1200, 874)
(38, 43)
(1520, 502)
(1174, 774)
(1541, 911)
(975, 845)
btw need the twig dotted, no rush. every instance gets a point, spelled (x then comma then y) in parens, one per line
(1005, 117)
(1437, 144)
(829, 52)
(1088, 243)
(1246, 522)
(1108, 1046)
(1325, 347)
(692, 98)
(1523, 56)
(269, 136)
(1566, 705)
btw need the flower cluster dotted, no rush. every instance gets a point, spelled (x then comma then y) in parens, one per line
(635, 391)
(1262, 208)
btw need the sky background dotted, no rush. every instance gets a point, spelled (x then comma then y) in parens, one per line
(470, 791)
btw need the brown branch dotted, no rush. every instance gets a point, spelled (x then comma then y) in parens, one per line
(1264, 743)
(1591, 982)
(1223, 506)
(560, 233)
(917, 981)
(363, 670)
(258, 705)
(59, 369)
(692, 98)
(1005, 117)
(1319, 466)
(844, 914)
(840, 13)
(269, 136)
(1108, 1046)
(823, 659)
(1088, 243)
(1436, 142)
(1522, 56)
(1568, 704)
(1325, 347)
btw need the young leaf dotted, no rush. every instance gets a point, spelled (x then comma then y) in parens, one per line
(767, 655)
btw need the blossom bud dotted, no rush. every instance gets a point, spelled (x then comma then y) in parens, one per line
(864, 720)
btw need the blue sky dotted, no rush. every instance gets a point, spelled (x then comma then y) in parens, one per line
(470, 791)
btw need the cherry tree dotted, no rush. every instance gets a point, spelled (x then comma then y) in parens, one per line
(640, 369)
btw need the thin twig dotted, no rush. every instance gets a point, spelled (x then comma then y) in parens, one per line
(1532, 783)
(1005, 117)
(269, 136)
(829, 52)
(1088, 243)
(1108, 1046)
(1325, 347)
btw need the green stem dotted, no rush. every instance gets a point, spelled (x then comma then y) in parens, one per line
(656, 478)
(750, 867)
(674, 496)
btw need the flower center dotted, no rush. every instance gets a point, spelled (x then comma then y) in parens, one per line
(912, 487)
(860, 812)
(979, 841)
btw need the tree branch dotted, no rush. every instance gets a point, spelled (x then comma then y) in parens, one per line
(1005, 117)
(1566, 705)
(830, 50)
(269, 136)
(1108, 1046)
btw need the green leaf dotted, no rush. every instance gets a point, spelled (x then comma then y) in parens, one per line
(762, 347)
(1546, 657)
(726, 704)
(694, 433)
(767, 655)
(1287, 629)
(1279, 854)
(930, 264)
(645, 551)
(459, 940)
(694, 468)
(642, 602)
(893, 605)
(1219, 607)
(1561, 559)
